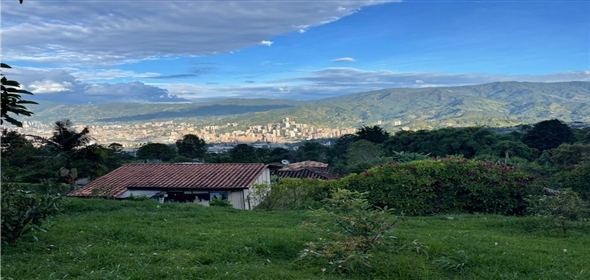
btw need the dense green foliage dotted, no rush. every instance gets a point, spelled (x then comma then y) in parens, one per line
(548, 135)
(449, 185)
(290, 194)
(562, 208)
(156, 151)
(23, 212)
(106, 239)
(243, 153)
(12, 103)
(191, 146)
(374, 134)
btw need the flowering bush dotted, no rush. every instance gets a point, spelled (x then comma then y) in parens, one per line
(448, 185)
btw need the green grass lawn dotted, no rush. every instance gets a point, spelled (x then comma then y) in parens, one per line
(102, 239)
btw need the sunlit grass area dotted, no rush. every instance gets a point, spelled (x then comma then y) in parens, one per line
(105, 239)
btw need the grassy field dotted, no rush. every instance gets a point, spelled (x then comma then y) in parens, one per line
(101, 239)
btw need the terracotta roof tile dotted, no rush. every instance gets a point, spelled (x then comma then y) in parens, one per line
(304, 164)
(301, 174)
(304, 169)
(198, 176)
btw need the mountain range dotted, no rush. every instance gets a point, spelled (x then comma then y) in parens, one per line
(492, 104)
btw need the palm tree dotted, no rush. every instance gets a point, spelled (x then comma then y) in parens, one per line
(68, 145)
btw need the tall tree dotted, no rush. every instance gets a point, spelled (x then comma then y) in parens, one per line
(548, 134)
(314, 151)
(374, 134)
(337, 151)
(157, 151)
(66, 143)
(243, 153)
(507, 149)
(366, 152)
(17, 152)
(191, 146)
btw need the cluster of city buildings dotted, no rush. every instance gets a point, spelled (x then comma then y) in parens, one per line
(167, 132)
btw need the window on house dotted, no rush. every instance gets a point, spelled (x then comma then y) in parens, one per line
(218, 195)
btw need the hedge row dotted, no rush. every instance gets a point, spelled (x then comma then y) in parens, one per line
(449, 185)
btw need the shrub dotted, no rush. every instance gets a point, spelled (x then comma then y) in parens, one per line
(354, 229)
(577, 179)
(290, 194)
(139, 198)
(220, 202)
(24, 211)
(562, 208)
(448, 185)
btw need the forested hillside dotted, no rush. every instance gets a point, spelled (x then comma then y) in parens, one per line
(494, 104)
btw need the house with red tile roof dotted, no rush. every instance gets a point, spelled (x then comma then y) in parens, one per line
(181, 182)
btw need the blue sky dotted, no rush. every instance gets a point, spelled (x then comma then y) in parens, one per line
(167, 51)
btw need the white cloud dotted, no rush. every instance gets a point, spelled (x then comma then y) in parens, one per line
(110, 74)
(266, 43)
(45, 86)
(61, 86)
(343, 59)
(86, 32)
(337, 81)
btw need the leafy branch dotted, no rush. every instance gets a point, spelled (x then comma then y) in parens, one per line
(12, 102)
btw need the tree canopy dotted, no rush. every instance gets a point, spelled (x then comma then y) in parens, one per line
(549, 134)
(156, 151)
(191, 146)
(374, 134)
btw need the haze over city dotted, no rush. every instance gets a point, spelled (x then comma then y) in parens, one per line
(182, 51)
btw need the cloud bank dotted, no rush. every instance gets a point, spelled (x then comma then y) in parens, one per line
(86, 32)
(60, 85)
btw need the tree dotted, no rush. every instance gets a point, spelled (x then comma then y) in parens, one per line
(363, 151)
(191, 146)
(548, 134)
(12, 102)
(279, 154)
(374, 134)
(17, 155)
(567, 157)
(116, 147)
(508, 148)
(66, 143)
(338, 150)
(314, 151)
(243, 153)
(157, 151)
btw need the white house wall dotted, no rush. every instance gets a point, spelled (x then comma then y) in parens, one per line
(264, 177)
(251, 201)
(237, 199)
